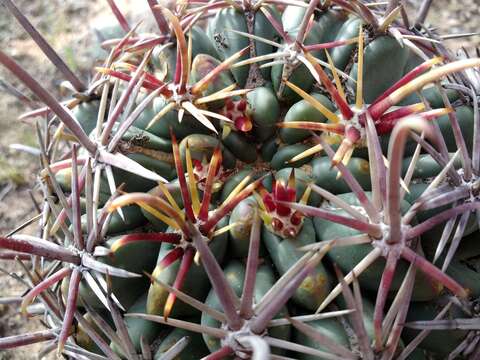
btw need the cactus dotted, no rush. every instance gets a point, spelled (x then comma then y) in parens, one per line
(259, 150)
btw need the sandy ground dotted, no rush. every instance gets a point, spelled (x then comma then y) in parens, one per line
(67, 26)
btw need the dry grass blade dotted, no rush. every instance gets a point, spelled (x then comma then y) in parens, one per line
(44, 46)
(63, 114)
(37, 246)
(159, 18)
(118, 14)
(15, 341)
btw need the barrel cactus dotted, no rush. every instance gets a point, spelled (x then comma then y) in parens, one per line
(273, 179)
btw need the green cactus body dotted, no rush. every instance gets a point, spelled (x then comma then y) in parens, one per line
(133, 219)
(158, 162)
(329, 24)
(216, 76)
(441, 342)
(300, 77)
(368, 313)
(86, 113)
(202, 65)
(243, 216)
(291, 19)
(138, 328)
(418, 354)
(158, 129)
(269, 149)
(104, 30)
(146, 139)
(303, 111)
(64, 179)
(235, 274)
(410, 146)
(331, 328)
(384, 60)
(243, 149)
(196, 282)
(349, 256)
(282, 157)
(196, 285)
(341, 55)
(465, 266)
(264, 29)
(432, 95)
(202, 147)
(164, 62)
(153, 160)
(82, 338)
(201, 43)
(466, 272)
(426, 166)
(431, 238)
(284, 254)
(264, 109)
(465, 120)
(368, 310)
(127, 290)
(227, 42)
(189, 125)
(237, 178)
(196, 347)
(326, 177)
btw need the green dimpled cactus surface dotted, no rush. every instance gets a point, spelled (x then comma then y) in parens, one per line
(256, 180)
